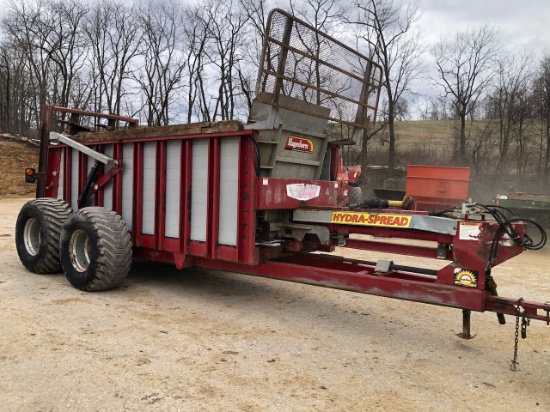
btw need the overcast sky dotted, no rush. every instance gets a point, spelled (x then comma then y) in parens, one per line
(521, 23)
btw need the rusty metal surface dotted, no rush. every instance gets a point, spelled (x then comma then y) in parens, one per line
(77, 112)
(45, 129)
(272, 194)
(518, 307)
(351, 276)
(301, 62)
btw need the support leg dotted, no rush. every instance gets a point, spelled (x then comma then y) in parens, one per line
(466, 324)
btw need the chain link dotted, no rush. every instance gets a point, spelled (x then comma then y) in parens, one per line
(514, 364)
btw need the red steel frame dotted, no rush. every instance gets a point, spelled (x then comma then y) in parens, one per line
(158, 246)
(258, 194)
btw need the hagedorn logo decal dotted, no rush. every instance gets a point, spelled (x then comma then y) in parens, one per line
(299, 144)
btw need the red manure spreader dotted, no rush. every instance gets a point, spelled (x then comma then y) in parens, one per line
(261, 198)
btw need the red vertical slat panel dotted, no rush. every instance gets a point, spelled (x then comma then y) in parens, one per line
(117, 181)
(213, 195)
(160, 196)
(186, 194)
(247, 202)
(53, 171)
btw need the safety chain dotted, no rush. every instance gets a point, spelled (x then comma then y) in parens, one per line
(514, 363)
(525, 321)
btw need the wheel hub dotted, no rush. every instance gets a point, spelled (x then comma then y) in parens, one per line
(31, 236)
(79, 250)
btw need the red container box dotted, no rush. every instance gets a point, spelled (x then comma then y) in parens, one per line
(437, 187)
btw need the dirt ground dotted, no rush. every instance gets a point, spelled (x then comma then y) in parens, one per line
(198, 340)
(16, 154)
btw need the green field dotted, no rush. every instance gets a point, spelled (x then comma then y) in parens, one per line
(432, 132)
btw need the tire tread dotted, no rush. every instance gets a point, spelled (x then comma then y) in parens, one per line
(54, 213)
(114, 249)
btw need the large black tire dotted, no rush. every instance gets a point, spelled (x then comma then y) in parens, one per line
(37, 233)
(96, 249)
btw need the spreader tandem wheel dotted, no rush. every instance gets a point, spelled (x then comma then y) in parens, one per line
(96, 249)
(37, 233)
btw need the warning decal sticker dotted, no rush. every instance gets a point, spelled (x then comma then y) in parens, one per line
(469, 230)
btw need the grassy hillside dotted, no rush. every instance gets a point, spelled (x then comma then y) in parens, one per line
(434, 132)
(431, 143)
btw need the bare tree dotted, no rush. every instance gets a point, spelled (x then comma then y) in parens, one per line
(164, 63)
(433, 108)
(482, 147)
(322, 15)
(28, 26)
(16, 95)
(65, 45)
(225, 51)
(114, 36)
(256, 12)
(541, 97)
(196, 31)
(465, 68)
(387, 27)
(253, 35)
(508, 106)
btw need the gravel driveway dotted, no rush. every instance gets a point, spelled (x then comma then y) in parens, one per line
(198, 340)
